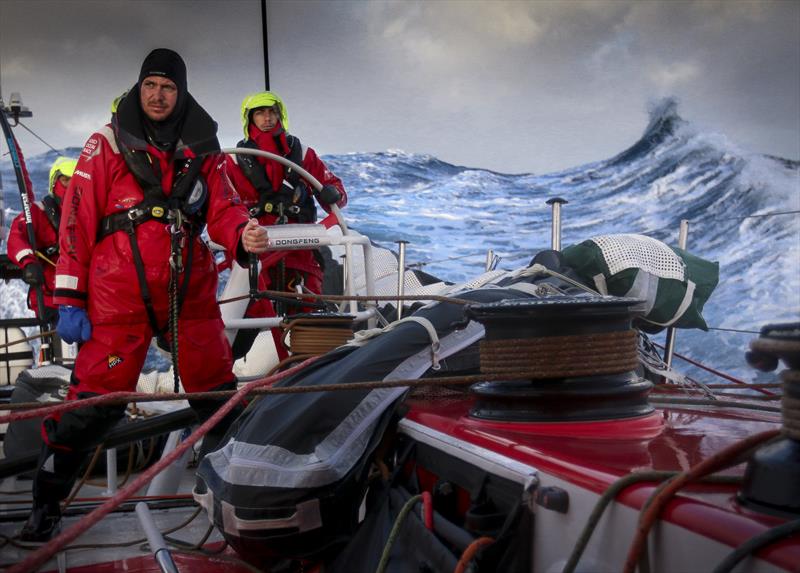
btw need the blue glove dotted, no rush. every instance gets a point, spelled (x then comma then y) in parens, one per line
(73, 324)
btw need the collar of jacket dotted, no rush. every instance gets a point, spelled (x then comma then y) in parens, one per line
(273, 140)
(198, 132)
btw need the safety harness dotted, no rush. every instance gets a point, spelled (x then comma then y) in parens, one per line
(184, 211)
(293, 199)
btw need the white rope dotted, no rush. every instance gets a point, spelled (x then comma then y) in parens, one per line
(651, 361)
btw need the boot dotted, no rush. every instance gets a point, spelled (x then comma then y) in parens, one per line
(43, 522)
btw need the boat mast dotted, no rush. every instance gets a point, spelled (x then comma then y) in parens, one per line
(16, 110)
(265, 38)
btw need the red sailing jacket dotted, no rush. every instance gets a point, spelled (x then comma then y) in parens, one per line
(20, 252)
(101, 274)
(300, 260)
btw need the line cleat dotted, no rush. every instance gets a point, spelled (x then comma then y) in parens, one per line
(43, 523)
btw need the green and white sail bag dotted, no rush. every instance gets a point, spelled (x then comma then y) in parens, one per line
(673, 283)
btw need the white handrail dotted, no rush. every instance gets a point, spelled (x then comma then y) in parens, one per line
(347, 239)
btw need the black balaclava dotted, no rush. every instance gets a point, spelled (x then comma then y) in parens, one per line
(168, 64)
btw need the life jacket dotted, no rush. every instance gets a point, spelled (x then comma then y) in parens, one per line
(293, 199)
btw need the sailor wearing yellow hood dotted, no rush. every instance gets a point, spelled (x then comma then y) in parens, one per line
(276, 195)
(38, 268)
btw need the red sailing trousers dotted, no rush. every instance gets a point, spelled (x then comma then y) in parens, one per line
(113, 358)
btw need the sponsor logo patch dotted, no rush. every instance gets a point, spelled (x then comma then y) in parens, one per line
(83, 174)
(293, 242)
(113, 361)
(89, 148)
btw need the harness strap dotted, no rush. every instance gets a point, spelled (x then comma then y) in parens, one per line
(138, 264)
(136, 215)
(155, 205)
(53, 214)
(52, 211)
(281, 201)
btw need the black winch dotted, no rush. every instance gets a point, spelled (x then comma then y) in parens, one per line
(567, 358)
(772, 478)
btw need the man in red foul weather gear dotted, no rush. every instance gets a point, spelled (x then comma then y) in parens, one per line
(38, 268)
(133, 265)
(277, 195)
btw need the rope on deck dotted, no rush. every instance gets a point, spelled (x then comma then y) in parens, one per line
(723, 375)
(44, 553)
(722, 459)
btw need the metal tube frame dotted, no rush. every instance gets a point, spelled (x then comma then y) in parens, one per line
(669, 343)
(111, 471)
(401, 276)
(555, 230)
(347, 240)
(155, 540)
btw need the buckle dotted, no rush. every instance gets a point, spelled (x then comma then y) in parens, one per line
(135, 212)
(268, 207)
(294, 209)
(157, 211)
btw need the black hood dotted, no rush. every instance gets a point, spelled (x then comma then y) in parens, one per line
(165, 63)
(189, 130)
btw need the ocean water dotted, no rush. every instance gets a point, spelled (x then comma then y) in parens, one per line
(451, 215)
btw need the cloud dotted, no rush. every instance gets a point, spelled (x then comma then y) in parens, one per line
(509, 85)
(79, 126)
(670, 76)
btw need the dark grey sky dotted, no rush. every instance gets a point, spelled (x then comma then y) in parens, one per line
(506, 85)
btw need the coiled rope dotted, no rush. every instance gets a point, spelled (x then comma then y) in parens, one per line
(787, 349)
(312, 336)
(560, 356)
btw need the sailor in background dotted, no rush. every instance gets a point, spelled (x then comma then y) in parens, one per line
(133, 266)
(276, 195)
(39, 268)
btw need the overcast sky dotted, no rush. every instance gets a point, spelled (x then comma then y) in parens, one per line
(524, 86)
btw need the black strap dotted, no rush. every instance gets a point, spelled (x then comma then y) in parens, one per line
(155, 205)
(307, 212)
(53, 211)
(136, 215)
(271, 201)
(138, 264)
(295, 156)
